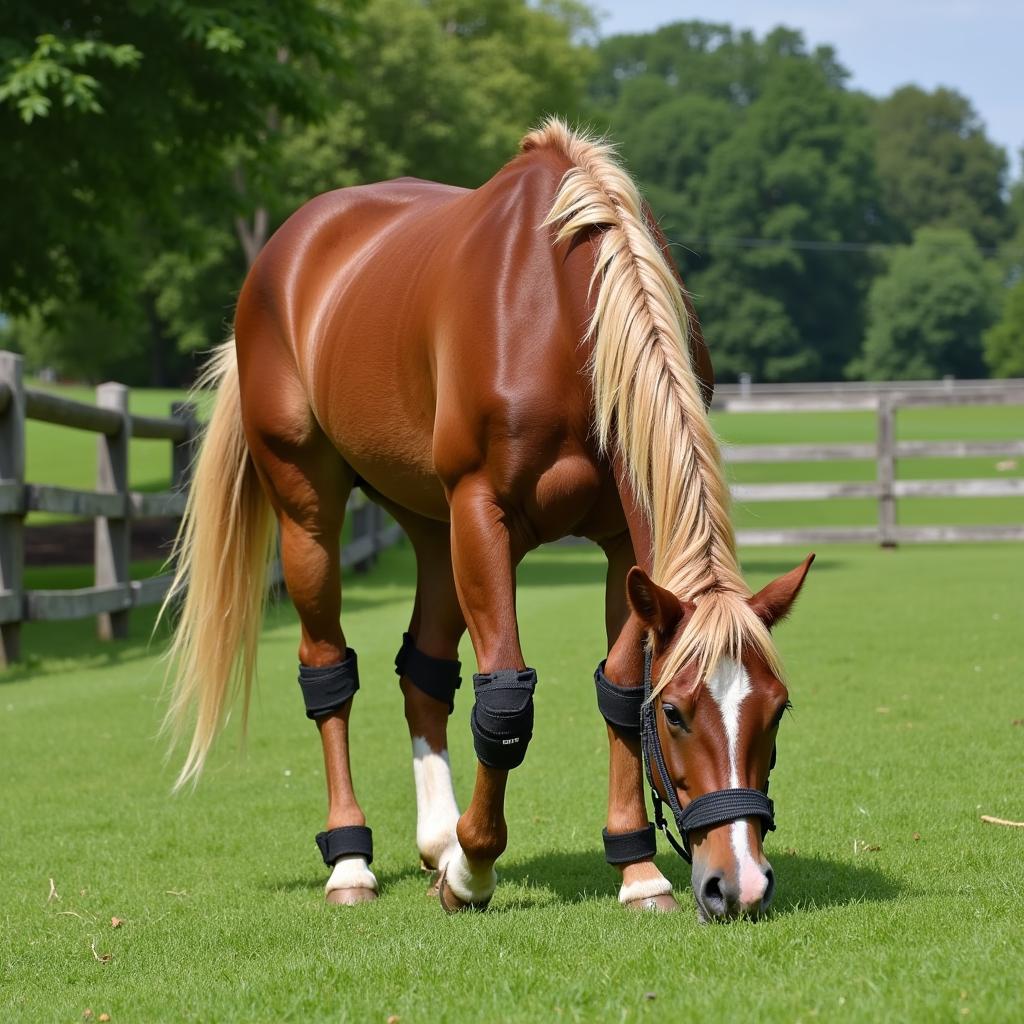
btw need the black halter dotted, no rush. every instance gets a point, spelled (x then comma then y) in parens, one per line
(710, 809)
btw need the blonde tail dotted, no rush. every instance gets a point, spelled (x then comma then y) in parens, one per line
(221, 554)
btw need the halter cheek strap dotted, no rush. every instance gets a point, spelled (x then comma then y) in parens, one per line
(715, 808)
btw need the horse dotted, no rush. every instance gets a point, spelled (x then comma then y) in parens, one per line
(496, 368)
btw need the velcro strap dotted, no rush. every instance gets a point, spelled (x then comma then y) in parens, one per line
(728, 805)
(347, 841)
(628, 847)
(619, 705)
(436, 677)
(502, 719)
(326, 689)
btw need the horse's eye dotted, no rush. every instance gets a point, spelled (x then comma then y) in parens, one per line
(672, 716)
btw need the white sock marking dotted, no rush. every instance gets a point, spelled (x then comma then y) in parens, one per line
(473, 886)
(437, 813)
(730, 685)
(351, 873)
(644, 888)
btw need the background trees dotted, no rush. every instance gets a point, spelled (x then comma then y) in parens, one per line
(152, 148)
(927, 313)
(936, 166)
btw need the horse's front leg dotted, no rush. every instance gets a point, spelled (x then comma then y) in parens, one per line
(484, 568)
(629, 837)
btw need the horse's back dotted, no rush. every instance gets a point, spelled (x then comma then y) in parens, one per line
(427, 323)
(311, 267)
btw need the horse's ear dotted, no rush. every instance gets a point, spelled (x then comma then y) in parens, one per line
(774, 602)
(659, 609)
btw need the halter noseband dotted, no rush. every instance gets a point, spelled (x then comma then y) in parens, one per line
(715, 808)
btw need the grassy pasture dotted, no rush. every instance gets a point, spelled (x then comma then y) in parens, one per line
(895, 902)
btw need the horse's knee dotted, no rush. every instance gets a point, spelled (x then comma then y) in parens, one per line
(502, 719)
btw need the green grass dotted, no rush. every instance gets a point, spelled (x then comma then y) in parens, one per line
(905, 671)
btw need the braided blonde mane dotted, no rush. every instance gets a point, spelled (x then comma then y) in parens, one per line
(647, 401)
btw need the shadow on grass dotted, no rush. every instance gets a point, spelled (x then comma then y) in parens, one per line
(804, 883)
(314, 881)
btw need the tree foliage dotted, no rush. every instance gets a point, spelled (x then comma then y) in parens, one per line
(928, 312)
(445, 91)
(748, 148)
(1004, 343)
(151, 148)
(108, 110)
(937, 166)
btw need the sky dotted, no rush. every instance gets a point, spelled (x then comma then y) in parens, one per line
(973, 46)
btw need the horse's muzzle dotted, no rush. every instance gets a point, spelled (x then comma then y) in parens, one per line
(722, 896)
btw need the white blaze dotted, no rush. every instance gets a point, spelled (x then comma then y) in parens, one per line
(730, 685)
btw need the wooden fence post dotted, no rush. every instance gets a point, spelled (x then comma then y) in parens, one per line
(184, 451)
(113, 539)
(886, 472)
(12, 526)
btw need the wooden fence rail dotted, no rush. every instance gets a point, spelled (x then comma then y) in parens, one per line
(112, 505)
(886, 452)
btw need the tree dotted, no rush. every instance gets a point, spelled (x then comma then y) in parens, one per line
(798, 169)
(440, 89)
(109, 110)
(928, 312)
(937, 166)
(445, 91)
(1004, 343)
(747, 148)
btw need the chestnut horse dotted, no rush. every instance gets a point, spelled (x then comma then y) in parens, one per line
(496, 368)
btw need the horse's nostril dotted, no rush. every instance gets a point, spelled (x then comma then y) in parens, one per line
(769, 891)
(713, 897)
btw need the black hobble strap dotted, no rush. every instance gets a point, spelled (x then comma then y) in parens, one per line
(326, 689)
(347, 841)
(628, 847)
(620, 706)
(436, 677)
(502, 719)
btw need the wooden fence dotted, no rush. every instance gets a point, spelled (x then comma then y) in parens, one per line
(884, 401)
(113, 506)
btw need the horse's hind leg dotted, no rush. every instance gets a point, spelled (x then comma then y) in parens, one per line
(429, 669)
(309, 484)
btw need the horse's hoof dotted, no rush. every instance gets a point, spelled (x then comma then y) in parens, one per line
(663, 904)
(350, 897)
(452, 904)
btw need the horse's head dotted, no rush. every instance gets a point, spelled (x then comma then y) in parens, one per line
(718, 733)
